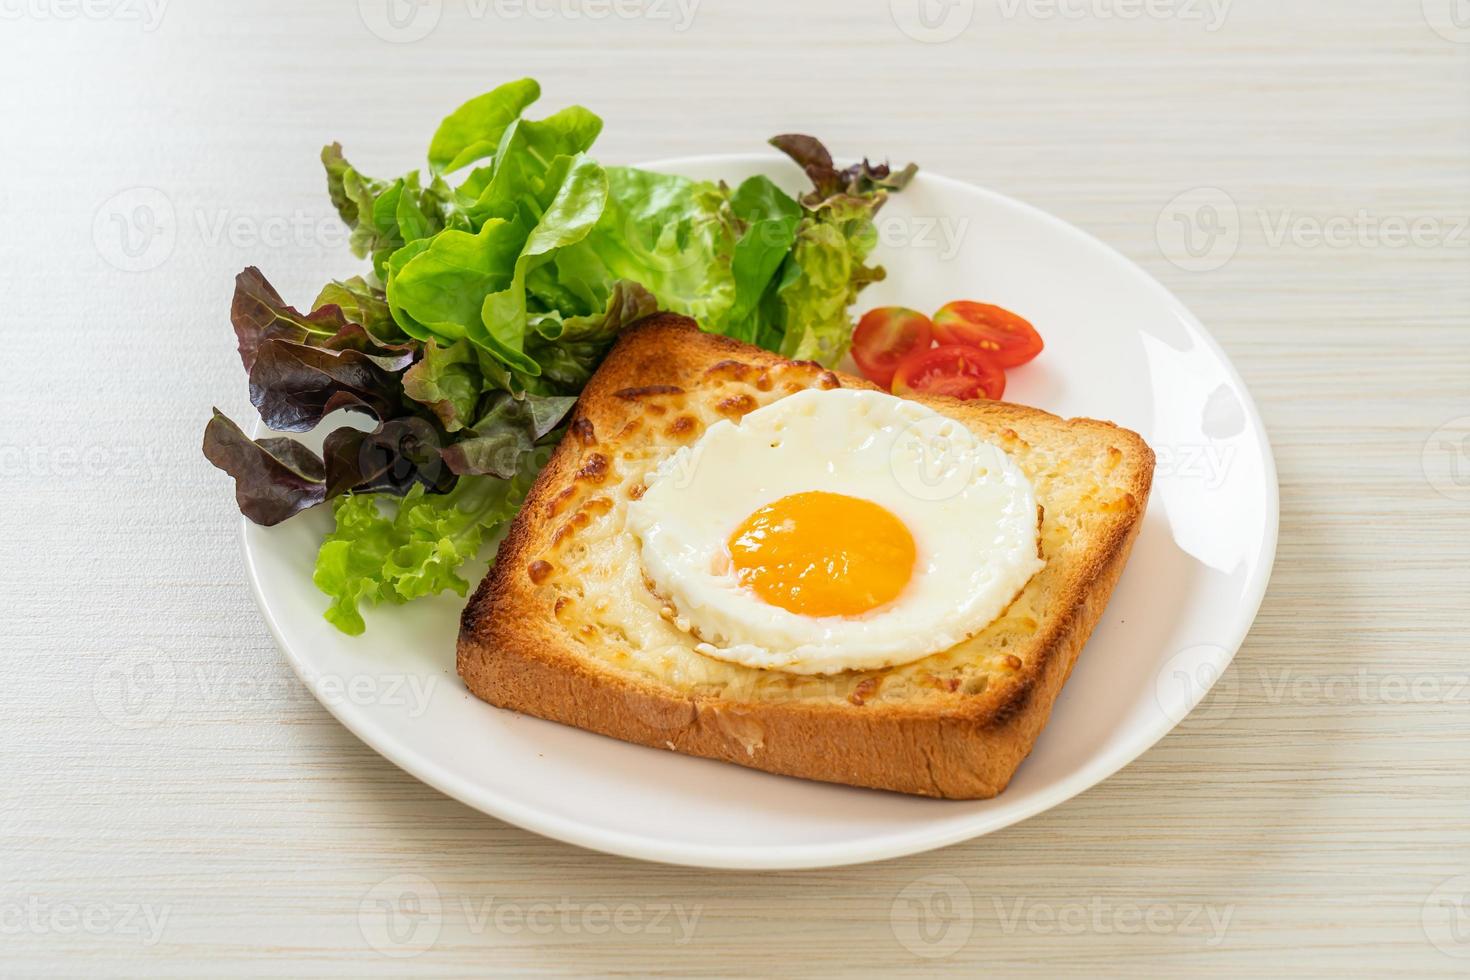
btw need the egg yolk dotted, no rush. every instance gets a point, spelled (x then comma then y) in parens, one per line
(823, 554)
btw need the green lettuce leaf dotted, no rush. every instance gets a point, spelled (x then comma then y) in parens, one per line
(449, 380)
(349, 203)
(390, 549)
(827, 266)
(525, 175)
(569, 349)
(579, 203)
(355, 196)
(473, 131)
(671, 235)
(825, 276)
(511, 428)
(384, 216)
(771, 217)
(443, 284)
(358, 302)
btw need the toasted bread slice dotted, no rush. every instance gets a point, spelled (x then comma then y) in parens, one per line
(564, 628)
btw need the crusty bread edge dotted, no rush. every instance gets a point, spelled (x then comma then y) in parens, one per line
(510, 655)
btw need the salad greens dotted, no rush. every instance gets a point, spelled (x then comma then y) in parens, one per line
(415, 548)
(500, 275)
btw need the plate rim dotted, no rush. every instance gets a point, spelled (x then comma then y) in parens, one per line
(814, 856)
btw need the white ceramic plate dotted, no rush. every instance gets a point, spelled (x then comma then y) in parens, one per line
(1119, 347)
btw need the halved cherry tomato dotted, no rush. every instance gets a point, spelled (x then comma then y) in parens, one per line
(1012, 340)
(952, 369)
(886, 336)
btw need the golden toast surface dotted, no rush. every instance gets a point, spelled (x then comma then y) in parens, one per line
(565, 627)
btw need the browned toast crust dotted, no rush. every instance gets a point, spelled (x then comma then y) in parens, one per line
(513, 652)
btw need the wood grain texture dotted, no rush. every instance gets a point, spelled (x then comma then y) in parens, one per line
(1310, 818)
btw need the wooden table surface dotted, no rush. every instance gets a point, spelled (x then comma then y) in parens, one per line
(1312, 817)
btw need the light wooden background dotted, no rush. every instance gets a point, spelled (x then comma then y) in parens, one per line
(1318, 807)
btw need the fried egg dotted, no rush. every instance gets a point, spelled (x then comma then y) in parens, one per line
(836, 530)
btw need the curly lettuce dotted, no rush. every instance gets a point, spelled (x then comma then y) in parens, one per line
(397, 549)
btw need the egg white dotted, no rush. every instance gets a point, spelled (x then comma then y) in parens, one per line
(971, 511)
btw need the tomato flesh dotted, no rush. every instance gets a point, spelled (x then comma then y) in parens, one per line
(887, 335)
(1010, 339)
(956, 370)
